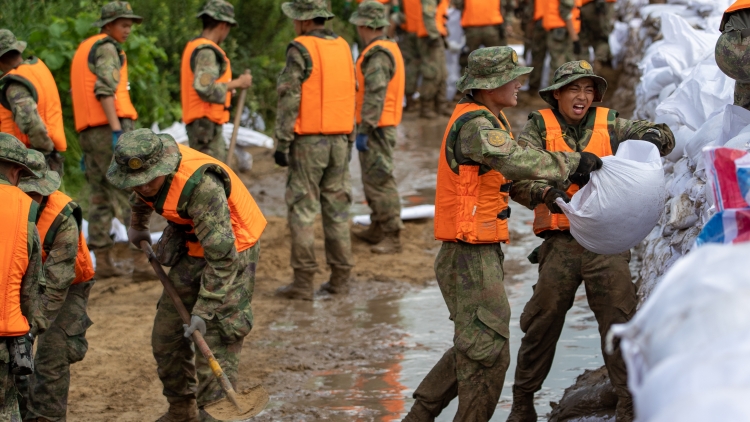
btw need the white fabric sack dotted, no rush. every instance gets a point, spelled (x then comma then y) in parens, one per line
(621, 203)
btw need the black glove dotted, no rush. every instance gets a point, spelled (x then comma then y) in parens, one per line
(549, 200)
(576, 47)
(281, 159)
(579, 179)
(653, 136)
(137, 236)
(589, 162)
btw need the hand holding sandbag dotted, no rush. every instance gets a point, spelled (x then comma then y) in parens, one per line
(551, 196)
(589, 162)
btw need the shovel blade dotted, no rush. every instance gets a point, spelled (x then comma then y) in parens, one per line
(252, 401)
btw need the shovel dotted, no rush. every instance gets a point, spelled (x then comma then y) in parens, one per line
(256, 398)
(237, 118)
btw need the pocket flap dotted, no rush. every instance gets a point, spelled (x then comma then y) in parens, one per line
(79, 327)
(493, 321)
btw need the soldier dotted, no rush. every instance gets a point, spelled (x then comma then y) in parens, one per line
(483, 24)
(573, 125)
(732, 54)
(211, 245)
(381, 79)
(103, 112)
(536, 39)
(597, 20)
(314, 124)
(207, 84)
(562, 22)
(30, 102)
(21, 274)
(477, 161)
(69, 273)
(409, 46)
(431, 30)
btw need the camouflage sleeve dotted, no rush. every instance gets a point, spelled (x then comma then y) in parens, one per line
(60, 267)
(379, 70)
(107, 70)
(637, 129)
(483, 143)
(529, 193)
(207, 70)
(429, 15)
(140, 213)
(30, 285)
(209, 209)
(566, 9)
(27, 118)
(289, 90)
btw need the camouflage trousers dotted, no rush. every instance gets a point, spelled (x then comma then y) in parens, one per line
(560, 48)
(63, 344)
(477, 36)
(176, 360)
(597, 21)
(318, 180)
(538, 53)
(9, 411)
(471, 280)
(379, 184)
(563, 265)
(207, 137)
(106, 201)
(433, 69)
(407, 43)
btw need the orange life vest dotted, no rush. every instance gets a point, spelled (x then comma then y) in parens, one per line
(413, 15)
(738, 5)
(552, 19)
(481, 13)
(87, 109)
(599, 144)
(193, 107)
(16, 213)
(248, 222)
(37, 78)
(394, 96)
(441, 19)
(585, 2)
(471, 205)
(539, 9)
(328, 94)
(55, 205)
(381, 1)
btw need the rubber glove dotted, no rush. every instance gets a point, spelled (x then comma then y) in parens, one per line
(196, 323)
(549, 200)
(281, 159)
(361, 142)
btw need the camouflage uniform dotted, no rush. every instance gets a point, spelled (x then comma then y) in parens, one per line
(432, 66)
(217, 288)
(471, 275)
(407, 43)
(563, 263)
(536, 42)
(12, 150)
(597, 21)
(733, 55)
(559, 44)
(478, 36)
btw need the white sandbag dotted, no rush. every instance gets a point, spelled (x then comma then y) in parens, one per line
(410, 213)
(621, 203)
(707, 134)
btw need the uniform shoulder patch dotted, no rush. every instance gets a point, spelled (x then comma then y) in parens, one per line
(496, 139)
(205, 79)
(116, 75)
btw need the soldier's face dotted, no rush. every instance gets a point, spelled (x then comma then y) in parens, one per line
(575, 99)
(506, 95)
(119, 29)
(151, 188)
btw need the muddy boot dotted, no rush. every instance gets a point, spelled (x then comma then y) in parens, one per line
(181, 411)
(339, 282)
(391, 244)
(301, 288)
(373, 234)
(427, 109)
(624, 411)
(523, 407)
(142, 269)
(105, 264)
(411, 105)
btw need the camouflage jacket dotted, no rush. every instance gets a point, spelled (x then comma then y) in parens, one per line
(530, 193)
(378, 67)
(208, 65)
(429, 16)
(106, 67)
(566, 9)
(26, 116)
(209, 209)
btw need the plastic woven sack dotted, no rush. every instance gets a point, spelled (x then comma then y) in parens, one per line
(621, 203)
(728, 174)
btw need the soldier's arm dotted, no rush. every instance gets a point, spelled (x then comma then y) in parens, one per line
(530, 193)
(30, 285)
(26, 117)
(484, 144)
(640, 129)
(60, 267)
(207, 70)
(379, 70)
(107, 67)
(566, 13)
(209, 209)
(429, 15)
(140, 213)
(289, 90)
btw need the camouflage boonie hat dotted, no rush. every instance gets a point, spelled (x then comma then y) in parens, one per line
(570, 72)
(219, 10)
(491, 68)
(48, 180)
(116, 10)
(305, 10)
(13, 151)
(733, 56)
(8, 42)
(371, 14)
(141, 156)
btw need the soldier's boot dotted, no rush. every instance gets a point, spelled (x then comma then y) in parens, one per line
(373, 234)
(624, 411)
(339, 282)
(105, 264)
(523, 407)
(301, 288)
(142, 269)
(411, 105)
(427, 109)
(391, 244)
(181, 411)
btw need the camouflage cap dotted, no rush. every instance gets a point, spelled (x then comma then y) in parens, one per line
(371, 14)
(490, 68)
(8, 42)
(569, 72)
(305, 10)
(220, 10)
(733, 57)
(117, 10)
(13, 151)
(48, 180)
(141, 156)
